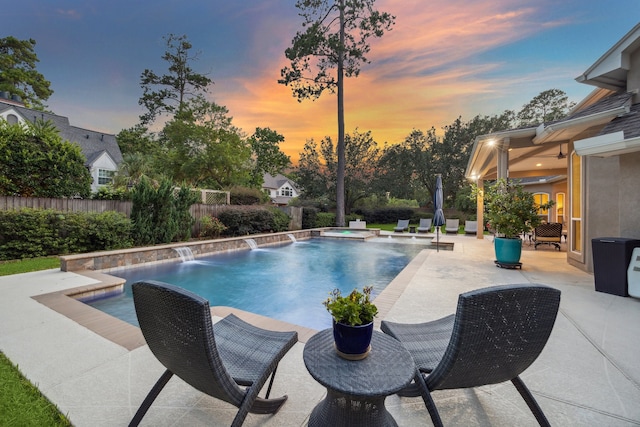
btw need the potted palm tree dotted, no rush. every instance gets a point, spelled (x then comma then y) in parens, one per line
(510, 211)
(352, 322)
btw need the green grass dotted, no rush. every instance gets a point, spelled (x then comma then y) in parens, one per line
(21, 403)
(27, 265)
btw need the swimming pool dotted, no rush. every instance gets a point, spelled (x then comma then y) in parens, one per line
(287, 282)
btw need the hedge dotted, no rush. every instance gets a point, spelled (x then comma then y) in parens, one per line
(241, 221)
(28, 233)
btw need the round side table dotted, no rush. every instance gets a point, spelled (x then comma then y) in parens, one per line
(356, 389)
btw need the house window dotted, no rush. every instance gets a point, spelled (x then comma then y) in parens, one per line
(560, 209)
(105, 176)
(12, 119)
(286, 191)
(541, 199)
(576, 203)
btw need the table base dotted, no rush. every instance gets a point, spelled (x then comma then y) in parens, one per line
(339, 410)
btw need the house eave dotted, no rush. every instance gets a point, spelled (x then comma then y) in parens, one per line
(611, 144)
(484, 145)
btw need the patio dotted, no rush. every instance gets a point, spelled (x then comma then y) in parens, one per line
(587, 375)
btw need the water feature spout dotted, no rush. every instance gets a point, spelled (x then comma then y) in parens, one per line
(292, 237)
(185, 254)
(252, 243)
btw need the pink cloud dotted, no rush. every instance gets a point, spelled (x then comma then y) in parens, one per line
(421, 74)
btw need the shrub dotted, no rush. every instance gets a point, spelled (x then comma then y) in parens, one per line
(280, 220)
(211, 226)
(309, 217)
(29, 233)
(241, 221)
(159, 215)
(386, 215)
(108, 192)
(325, 219)
(247, 196)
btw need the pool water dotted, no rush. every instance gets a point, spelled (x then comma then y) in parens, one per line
(288, 282)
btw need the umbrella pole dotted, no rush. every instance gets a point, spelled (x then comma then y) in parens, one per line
(438, 239)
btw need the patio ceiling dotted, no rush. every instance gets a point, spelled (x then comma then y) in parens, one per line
(534, 151)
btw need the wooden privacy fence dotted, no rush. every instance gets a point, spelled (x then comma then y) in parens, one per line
(88, 205)
(65, 205)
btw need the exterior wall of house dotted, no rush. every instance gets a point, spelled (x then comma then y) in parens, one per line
(630, 195)
(612, 201)
(103, 162)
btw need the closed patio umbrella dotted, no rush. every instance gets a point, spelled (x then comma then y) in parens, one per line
(438, 217)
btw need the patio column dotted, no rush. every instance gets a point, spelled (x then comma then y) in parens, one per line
(480, 209)
(503, 159)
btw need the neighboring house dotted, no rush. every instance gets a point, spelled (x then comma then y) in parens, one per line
(280, 188)
(596, 147)
(100, 149)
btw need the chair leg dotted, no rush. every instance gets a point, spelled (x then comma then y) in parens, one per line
(531, 402)
(146, 404)
(428, 400)
(273, 375)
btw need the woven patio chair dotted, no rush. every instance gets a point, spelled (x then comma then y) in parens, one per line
(230, 360)
(424, 226)
(403, 225)
(495, 334)
(548, 234)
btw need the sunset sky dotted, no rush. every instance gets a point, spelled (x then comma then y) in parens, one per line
(443, 59)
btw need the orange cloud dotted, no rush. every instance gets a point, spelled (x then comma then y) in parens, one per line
(422, 74)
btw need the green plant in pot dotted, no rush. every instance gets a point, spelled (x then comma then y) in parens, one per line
(510, 211)
(352, 322)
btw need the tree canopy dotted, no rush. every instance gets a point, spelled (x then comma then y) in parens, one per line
(36, 162)
(336, 37)
(549, 105)
(18, 73)
(168, 93)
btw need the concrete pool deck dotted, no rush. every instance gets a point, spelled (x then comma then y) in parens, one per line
(589, 373)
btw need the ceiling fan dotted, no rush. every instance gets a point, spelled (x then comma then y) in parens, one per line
(558, 156)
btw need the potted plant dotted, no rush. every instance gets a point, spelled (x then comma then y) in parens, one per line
(510, 211)
(352, 322)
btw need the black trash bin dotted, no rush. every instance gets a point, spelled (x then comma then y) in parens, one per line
(611, 256)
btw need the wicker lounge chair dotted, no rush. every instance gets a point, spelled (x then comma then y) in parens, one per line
(424, 226)
(548, 234)
(452, 226)
(403, 225)
(216, 359)
(495, 334)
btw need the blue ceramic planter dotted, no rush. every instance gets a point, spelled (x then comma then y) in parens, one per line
(352, 342)
(508, 251)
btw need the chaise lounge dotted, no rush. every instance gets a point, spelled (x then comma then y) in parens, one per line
(424, 226)
(403, 225)
(452, 226)
(471, 227)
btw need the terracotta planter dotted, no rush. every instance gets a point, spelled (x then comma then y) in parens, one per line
(352, 342)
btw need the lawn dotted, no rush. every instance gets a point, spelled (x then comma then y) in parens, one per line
(21, 403)
(28, 265)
